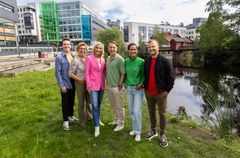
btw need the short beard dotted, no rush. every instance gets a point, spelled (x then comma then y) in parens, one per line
(152, 53)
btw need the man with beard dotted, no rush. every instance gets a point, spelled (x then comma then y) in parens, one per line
(159, 80)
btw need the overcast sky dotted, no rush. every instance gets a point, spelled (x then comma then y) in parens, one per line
(149, 11)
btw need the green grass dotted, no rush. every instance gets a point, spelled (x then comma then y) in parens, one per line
(31, 126)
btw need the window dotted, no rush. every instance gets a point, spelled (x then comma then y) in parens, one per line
(142, 33)
(126, 33)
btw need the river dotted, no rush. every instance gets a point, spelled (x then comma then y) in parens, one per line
(185, 93)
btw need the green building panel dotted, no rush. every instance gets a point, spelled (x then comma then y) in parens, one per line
(49, 21)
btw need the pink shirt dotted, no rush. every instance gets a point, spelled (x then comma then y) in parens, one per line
(95, 75)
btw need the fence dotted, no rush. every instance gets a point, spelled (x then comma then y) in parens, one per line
(8, 51)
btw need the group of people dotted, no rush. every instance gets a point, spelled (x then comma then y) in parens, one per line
(91, 75)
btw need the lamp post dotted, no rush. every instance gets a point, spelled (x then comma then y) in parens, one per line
(17, 39)
(133, 38)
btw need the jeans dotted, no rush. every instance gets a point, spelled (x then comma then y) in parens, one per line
(135, 99)
(96, 97)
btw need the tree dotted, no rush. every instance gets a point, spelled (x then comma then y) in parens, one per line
(157, 35)
(215, 37)
(219, 36)
(112, 34)
(141, 46)
(232, 17)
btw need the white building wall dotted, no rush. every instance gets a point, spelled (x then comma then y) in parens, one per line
(134, 30)
(192, 33)
(21, 25)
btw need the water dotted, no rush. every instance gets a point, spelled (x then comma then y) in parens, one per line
(182, 94)
(185, 92)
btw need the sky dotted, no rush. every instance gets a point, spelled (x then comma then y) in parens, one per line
(146, 11)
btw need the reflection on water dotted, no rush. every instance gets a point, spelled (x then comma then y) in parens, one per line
(186, 92)
(183, 94)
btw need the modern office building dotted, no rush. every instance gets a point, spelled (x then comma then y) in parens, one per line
(29, 25)
(192, 28)
(8, 19)
(135, 31)
(116, 23)
(69, 19)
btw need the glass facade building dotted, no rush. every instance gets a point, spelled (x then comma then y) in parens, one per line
(70, 19)
(49, 21)
(86, 27)
(8, 20)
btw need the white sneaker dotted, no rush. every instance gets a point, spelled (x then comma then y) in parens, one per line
(118, 128)
(72, 119)
(131, 133)
(114, 122)
(137, 137)
(66, 125)
(101, 123)
(97, 131)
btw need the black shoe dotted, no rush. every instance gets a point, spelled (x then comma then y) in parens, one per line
(163, 141)
(151, 135)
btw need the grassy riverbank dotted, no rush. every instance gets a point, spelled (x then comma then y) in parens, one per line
(31, 126)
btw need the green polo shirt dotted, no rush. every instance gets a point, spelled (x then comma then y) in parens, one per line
(134, 71)
(115, 68)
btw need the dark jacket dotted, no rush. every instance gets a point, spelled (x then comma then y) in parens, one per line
(164, 74)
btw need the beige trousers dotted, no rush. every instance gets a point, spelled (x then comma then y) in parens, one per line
(83, 97)
(116, 99)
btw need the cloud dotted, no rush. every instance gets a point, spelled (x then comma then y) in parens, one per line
(148, 11)
(153, 11)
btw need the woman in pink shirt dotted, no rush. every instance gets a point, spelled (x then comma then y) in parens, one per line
(95, 78)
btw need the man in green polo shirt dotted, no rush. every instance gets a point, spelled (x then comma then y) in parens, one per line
(115, 79)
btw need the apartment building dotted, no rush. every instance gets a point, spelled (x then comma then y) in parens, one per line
(192, 32)
(8, 19)
(29, 25)
(136, 31)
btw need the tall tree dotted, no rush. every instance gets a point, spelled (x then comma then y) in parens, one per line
(157, 35)
(112, 34)
(215, 36)
(229, 10)
(219, 36)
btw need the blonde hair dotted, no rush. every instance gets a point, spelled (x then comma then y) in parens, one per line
(79, 45)
(94, 48)
(153, 40)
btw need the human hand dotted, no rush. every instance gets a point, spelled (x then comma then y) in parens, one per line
(81, 81)
(164, 93)
(89, 90)
(139, 86)
(120, 86)
(63, 89)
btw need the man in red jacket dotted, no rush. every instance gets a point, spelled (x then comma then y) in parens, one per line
(159, 80)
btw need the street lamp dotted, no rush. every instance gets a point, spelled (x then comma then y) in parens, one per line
(133, 38)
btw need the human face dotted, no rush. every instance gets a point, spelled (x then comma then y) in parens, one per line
(153, 48)
(132, 51)
(82, 51)
(98, 50)
(112, 49)
(66, 45)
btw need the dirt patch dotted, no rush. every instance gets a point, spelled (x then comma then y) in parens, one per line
(198, 133)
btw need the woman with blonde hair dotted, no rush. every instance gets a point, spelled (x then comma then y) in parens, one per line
(95, 78)
(78, 73)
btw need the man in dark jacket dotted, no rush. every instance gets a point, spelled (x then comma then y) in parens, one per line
(159, 80)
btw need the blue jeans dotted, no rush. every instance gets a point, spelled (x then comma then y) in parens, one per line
(96, 97)
(135, 99)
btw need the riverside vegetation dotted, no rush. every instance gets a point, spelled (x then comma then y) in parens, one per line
(31, 126)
